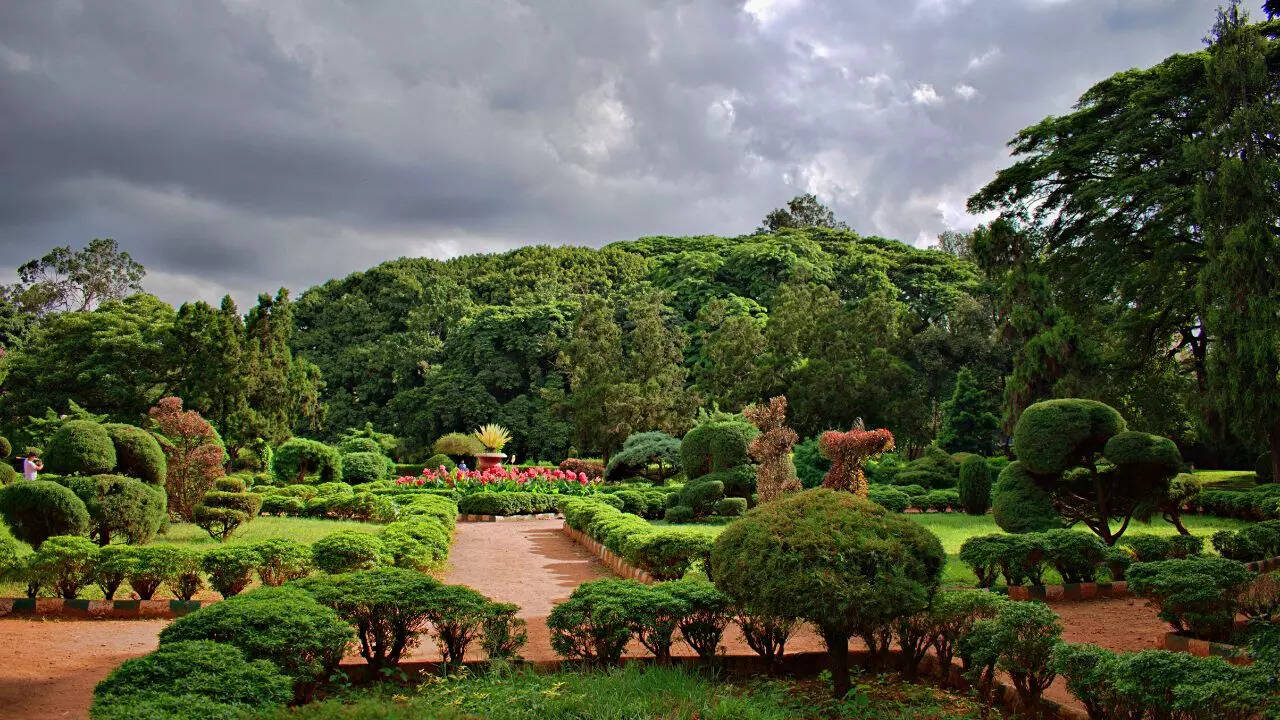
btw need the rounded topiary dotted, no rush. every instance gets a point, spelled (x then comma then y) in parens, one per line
(1146, 458)
(138, 453)
(300, 457)
(65, 562)
(351, 445)
(282, 560)
(198, 668)
(731, 506)
(440, 460)
(974, 485)
(230, 568)
(347, 550)
(121, 506)
(80, 447)
(36, 510)
(363, 467)
(1263, 468)
(679, 514)
(1053, 435)
(716, 445)
(7, 474)
(836, 560)
(889, 498)
(1020, 506)
(6, 448)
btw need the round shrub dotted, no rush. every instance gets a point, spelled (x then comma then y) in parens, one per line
(286, 626)
(1196, 595)
(300, 457)
(80, 447)
(210, 670)
(185, 579)
(230, 568)
(389, 607)
(229, 484)
(7, 474)
(363, 467)
(334, 489)
(440, 460)
(731, 506)
(6, 448)
(138, 453)
(923, 478)
(1075, 555)
(282, 505)
(350, 445)
(1148, 548)
(419, 543)
(38, 509)
(457, 614)
(667, 554)
(841, 562)
(1020, 505)
(148, 567)
(457, 444)
(889, 498)
(111, 569)
(347, 550)
(282, 560)
(679, 514)
(65, 563)
(633, 501)
(974, 485)
(121, 506)
(220, 522)
(163, 706)
(594, 624)
(705, 614)
(639, 451)
(612, 500)
(716, 445)
(1052, 435)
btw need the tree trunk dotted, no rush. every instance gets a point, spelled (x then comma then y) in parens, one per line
(838, 662)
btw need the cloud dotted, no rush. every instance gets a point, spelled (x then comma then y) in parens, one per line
(242, 145)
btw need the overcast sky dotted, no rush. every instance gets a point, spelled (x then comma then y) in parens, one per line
(241, 145)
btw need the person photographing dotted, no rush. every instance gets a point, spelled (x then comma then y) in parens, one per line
(31, 466)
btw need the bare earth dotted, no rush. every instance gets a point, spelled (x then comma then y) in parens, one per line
(48, 668)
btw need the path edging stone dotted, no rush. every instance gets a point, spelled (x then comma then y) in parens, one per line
(608, 557)
(1176, 642)
(1070, 591)
(107, 609)
(506, 518)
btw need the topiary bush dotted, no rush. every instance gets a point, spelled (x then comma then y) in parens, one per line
(889, 498)
(286, 626)
(716, 445)
(282, 560)
(1250, 543)
(149, 567)
(639, 451)
(210, 671)
(666, 554)
(300, 457)
(80, 447)
(419, 543)
(65, 563)
(440, 460)
(230, 568)
(1020, 640)
(347, 551)
(706, 613)
(1196, 595)
(982, 554)
(363, 467)
(503, 633)
(39, 509)
(594, 624)
(456, 444)
(350, 445)
(974, 485)
(138, 453)
(1019, 505)
(111, 568)
(185, 579)
(457, 615)
(838, 561)
(222, 513)
(1075, 555)
(389, 607)
(121, 506)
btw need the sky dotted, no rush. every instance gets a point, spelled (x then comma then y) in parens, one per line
(236, 146)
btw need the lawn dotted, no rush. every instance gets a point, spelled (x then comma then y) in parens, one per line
(954, 528)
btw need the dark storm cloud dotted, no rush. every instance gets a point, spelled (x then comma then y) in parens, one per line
(241, 145)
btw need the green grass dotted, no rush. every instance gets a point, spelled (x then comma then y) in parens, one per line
(632, 693)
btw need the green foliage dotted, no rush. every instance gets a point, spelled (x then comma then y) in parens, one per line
(229, 484)
(349, 445)
(731, 506)
(1051, 436)
(889, 498)
(1250, 543)
(440, 460)
(594, 624)
(667, 554)
(716, 445)
(220, 522)
(138, 454)
(458, 444)
(300, 457)
(81, 447)
(511, 503)
(1020, 640)
(283, 625)
(811, 467)
(363, 467)
(185, 579)
(639, 451)
(150, 566)
(968, 425)
(389, 607)
(502, 633)
(6, 448)
(38, 509)
(458, 615)
(357, 439)
(121, 506)
(282, 560)
(421, 543)
(1075, 555)
(197, 669)
(64, 562)
(111, 568)
(1019, 504)
(705, 614)
(975, 485)
(1197, 595)
(230, 568)
(347, 550)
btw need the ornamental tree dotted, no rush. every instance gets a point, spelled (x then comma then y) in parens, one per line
(847, 452)
(192, 451)
(776, 475)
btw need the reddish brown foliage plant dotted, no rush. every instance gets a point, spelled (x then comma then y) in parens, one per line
(194, 455)
(772, 449)
(847, 451)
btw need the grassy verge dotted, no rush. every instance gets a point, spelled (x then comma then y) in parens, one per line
(632, 693)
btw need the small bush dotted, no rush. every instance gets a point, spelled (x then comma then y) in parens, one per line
(80, 447)
(941, 500)
(230, 568)
(633, 502)
(419, 543)
(439, 460)
(347, 551)
(1019, 505)
(951, 616)
(282, 560)
(363, 467)
(889, 498)
(924, 478)
(1118, 560)
(667, 554)
(679, 514)
(1075, 555)
(120, 505)
(389, 607)
(507, 503)
(219, 522)
(39, 509)
(1020, 640)
(65, 562)
(112, 568)
(148, 567)
(591, 469)
(975, 485)
(458, 615)
(185, 580)
(503, 633)
(594, 624)
(1147, 548)
(229, 484)
(731, 506)
(138, 453)
(716, 445)
(1196, 595)
(352, 445)
(706, 614)
(1260, 600)
(300, 457)
(982, 554)
(1252, 542)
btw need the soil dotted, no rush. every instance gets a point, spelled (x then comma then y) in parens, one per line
(50, 668)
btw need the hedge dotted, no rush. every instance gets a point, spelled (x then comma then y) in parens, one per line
(300, 457)
(1259, 541)
(627, 535)
(364, 467)
(508, 503)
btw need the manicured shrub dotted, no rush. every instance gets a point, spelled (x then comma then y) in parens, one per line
(80, 447)
(230, 568)
(975, 485)
(185, 580)
(1118, 561)
(6, 449)
(282, 505)
(731, 506)
(209, 670)
(613, 500)
(632, 502)
(1260, 600)
(509, 503)
(138, 453)
(639, 451)
(39, 509)
(458, 616)
(924, 478)
(1019, 505)
(441, 508)
(65, 563)
(838, 561)
(982, 554)
(121, 506)
(282, 560)
(951, 616)
(1075, 555)
(300, 457)
(283, 625)
(363, 467)
(503, 633)
(148, 567)
(1020, 640)
(941, 500)
(1148, 548)
(889, 498)
(679, 514)
(347, 551)
(230, 484)
(163, 706)
(7, 474)
(440, 460)
(706, 613)
(594, 624)
(655, 614)
(351, 445)
(111, 568)
(219, 522)
(1197, 595)
(667, 554)
(456, 444)
(419, 543)
(389, 607)
(716, 445)
(1252, 542)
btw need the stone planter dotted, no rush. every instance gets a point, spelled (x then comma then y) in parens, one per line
(487, 460)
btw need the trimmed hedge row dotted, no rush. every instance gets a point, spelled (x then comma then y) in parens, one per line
(1077, 556)
(666, 554)
(901, 498)
(1250, 543)
(1257, 503)
(508, 503)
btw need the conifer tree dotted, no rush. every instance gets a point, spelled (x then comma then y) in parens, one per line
(968, 425)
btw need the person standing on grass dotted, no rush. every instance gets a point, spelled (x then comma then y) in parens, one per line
(31, 466)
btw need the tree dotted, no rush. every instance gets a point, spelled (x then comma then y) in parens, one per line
(656, 382)
(967, 423)
(193, 454)
(594, 365)
(218, 385)
(802, 211)
(283, 391)
(1238, 204)
(727, 369)
(77, 280)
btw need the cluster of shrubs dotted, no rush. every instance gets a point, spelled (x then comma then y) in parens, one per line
(720, 475)
(901, 499)
(592, 468)
(1201, 595)
(335, 500)
(1258, 541)
(102, 507)
(648, 502)
(666, 554)
(1256, 503)
(277, 645)
(1077, 556)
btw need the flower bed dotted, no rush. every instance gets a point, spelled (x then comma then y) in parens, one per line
(542, 480)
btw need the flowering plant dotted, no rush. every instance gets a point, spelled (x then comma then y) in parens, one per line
(552, 481)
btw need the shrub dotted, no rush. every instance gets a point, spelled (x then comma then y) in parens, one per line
(731, 506)
(716, 445)
(219, 522)
(508, 503)
(1021, 558)
(458, 615)
(667, 554)
(300, 457)
(148, 567)
(1260, 600)
(358, 444)
(706, 612)
(591, 468)
(65, 562)
(1196, 595)
(1249, 543)
(123, 505)
(811, 467)
(363, 467)
(284, 625)
(1021, 640)
(639, 451)
(503, 633)
(138, 454)
(282, 560)
(39, 509)
(6, 448)
(924, 478)
(952, 614)
(975, 485)
(1148, 548)
(346, 551)
(230, 568)
(435, 506)
(843, 563)
(982, 554)
(194, 454)
(7, 473)
(594, 624)
(679, 514)
(1019, 505)
(612, 500)
(1118, 560)
(457, 445)
(163, 706)
(941, 500)
(282, 505)
(440, 460)
(230, 484)
(80, 447)
(389, 607)
(185, 580)
(1075, 555)
(765, 634)
(111, 569)
(199, 668)
(889, 498)
(632, 502)
(419, 543)
(655, 614)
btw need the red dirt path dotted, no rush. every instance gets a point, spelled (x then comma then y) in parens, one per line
(48, 668)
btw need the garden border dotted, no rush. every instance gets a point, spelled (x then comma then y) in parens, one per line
(1177, 642)
(608, 557)
(1070, 591)
(1266, 565)
(81, 608)
(506, 518)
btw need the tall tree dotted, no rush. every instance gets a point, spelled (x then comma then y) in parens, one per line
(802, 211)
(594, 364)
(1238, 203)
(656, 372)
(193, 453)
(727, 370)
(283, 391)
(64, 279)
(217, 385)
(968, 425)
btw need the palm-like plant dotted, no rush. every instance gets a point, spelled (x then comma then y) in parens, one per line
(492, 436)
